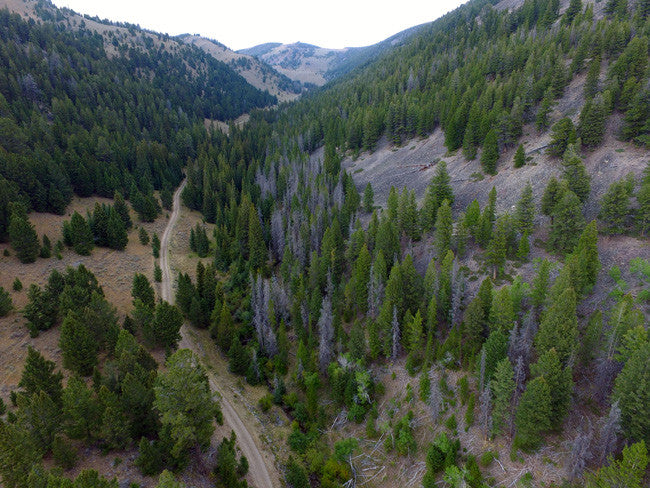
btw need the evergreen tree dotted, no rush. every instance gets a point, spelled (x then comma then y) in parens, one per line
(552, 195)
(591, 127)
(495, 349)
(615, 206)
(568, 223)
(525, 211)
(444, 227)
(502, 314)
(560, 383)
(490, 154)
(81, 410)
(575, 174)
(116, 232)
(563, 133)
(185, 403)
(503, 387)
(82, 236)
(520, 157)
(143, 237)
(256, 246)
(46, 248)
(166, 325)
(588, 262)
(122, 209)
(368, 198)
(628, 472)
(38, 375)
(78, 346)
(632, 390)
(6, 304)
(22, 235)
(143, 291)
(497, 249)
(575, 7)
(533, 415)
(559, 327)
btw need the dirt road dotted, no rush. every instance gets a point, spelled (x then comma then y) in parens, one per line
(258, 474)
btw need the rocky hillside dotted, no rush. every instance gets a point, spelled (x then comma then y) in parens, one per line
(256, 72)
(317, 65)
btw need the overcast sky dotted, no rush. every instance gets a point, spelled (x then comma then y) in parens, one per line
(243, 23)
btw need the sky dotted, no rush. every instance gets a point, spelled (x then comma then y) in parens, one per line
(242, 23)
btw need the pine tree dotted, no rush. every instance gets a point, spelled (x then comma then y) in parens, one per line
(632, 390)
(368, 198)
(591, 83)
(575, 7)
(591, 127)
(497, 249)
(82, 236)
(185, 403)
(503, 387)
(552, 195)
(6, 304)
(116, 232)
(502, 314)
(495, 349)
(46, 248)
(38, 375)
(575, 174)
(559, 327)
(166, 325)
(533, 415)
(615, 206)
(256, 247)
(563, 133)
(120, 206)
(473, 328)
(636, 126)
(360, 279)
(560, 383)
(143, 291)
(588, 262)
(568, 223)
(490, 154)
(81, 410)
(520, 157)
(545, 107)
(525, 211)
(444, 227)
(628, 472)
(540, 284)
(22, 235)
(78, 346)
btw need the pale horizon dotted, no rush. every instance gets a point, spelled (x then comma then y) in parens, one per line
(240, 25)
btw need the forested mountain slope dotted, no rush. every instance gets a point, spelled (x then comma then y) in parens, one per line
(491, 330)
(256, 72)
(504, 290)
(317, 65)
(91, 108)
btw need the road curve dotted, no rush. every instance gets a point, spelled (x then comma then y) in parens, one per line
(258, 474)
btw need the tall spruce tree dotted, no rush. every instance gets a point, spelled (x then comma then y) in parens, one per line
(560, 383)
(22, 235)
(533, 415)
(559, 327)
(490, 154)
(503, 388)
(568, 223)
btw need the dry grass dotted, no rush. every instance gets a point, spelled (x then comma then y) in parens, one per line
(114, 271)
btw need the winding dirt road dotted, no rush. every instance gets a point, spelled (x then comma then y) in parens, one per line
(258, 474)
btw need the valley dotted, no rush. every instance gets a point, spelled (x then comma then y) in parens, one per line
(421, 263)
